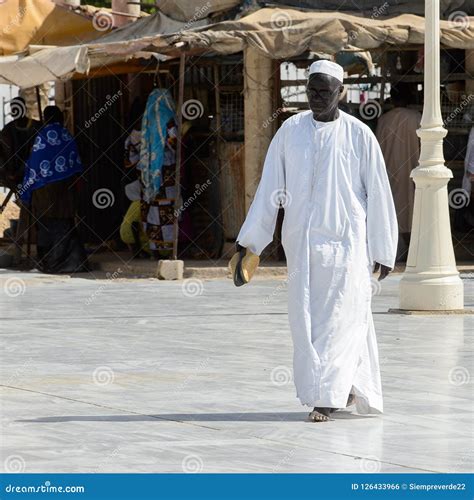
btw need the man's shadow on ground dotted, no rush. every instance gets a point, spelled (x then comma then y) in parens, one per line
(197, 417)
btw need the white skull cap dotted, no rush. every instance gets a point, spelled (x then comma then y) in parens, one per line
(328, 68)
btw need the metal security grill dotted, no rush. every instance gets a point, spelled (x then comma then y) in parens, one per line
(232, 107)
(457, 110)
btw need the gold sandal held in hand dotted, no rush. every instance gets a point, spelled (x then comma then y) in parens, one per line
(243, 266)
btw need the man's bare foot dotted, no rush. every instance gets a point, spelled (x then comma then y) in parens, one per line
(320, 415)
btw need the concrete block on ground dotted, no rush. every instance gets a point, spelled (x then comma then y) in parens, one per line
(170, 269)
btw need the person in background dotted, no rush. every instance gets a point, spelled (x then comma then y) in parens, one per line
(468, 177)
(16, 139)
(396, 133)
(131, 229)
(132, 232)
(133, 140)
(464, 216)
(49, 191)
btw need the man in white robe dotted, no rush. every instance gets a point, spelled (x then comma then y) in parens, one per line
(327, 169)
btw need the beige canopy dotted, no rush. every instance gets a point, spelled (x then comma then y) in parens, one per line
(277, 33)
(42, 22)
(189, 11)
(281, 33)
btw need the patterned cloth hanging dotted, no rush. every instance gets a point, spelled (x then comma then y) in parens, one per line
(54, 157)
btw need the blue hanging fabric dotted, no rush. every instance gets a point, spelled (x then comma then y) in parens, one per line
(160, 109)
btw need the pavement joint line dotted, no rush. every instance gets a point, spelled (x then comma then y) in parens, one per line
(141, 316)
(300, 445)
(359, 457)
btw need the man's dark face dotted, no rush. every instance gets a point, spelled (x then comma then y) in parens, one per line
(323, 93)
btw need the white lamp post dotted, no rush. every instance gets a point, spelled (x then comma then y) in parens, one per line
(431, 281)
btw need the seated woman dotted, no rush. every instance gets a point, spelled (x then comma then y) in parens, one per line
(131, 229)
(49, 191)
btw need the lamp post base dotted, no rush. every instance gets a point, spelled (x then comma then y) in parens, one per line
(431, 292)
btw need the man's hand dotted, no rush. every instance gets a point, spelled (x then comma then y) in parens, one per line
(384, 270)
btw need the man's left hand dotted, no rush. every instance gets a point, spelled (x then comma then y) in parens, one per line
(384, 270)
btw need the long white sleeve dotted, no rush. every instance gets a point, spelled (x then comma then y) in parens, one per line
(257, 230)
(382, 227)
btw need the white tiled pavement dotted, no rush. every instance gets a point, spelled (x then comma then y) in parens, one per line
(152, 376)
